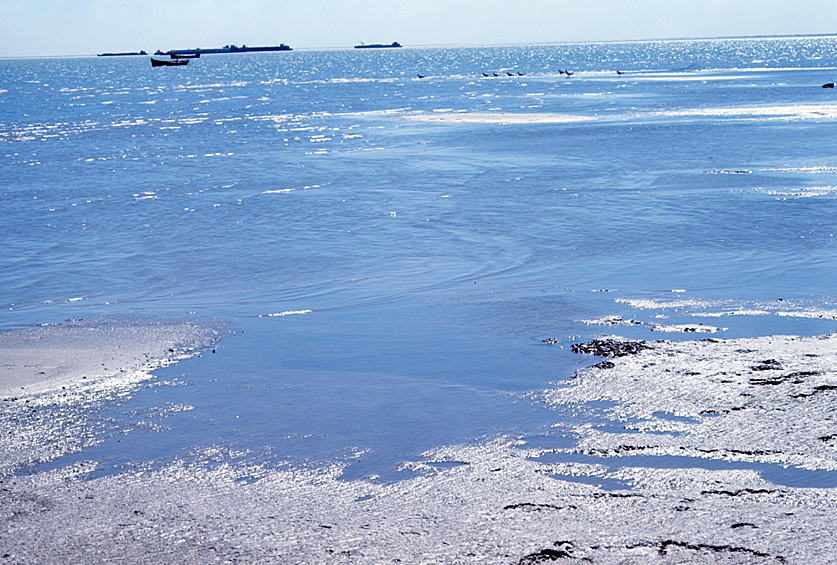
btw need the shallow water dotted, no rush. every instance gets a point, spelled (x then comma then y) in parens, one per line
(420, 265)
(776, 474)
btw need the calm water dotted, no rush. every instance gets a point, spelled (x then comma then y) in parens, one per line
(433, 258)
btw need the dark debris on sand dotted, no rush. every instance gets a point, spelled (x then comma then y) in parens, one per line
(563, 551)
(610, 347)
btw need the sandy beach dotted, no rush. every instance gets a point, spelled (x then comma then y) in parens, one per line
(496, 501)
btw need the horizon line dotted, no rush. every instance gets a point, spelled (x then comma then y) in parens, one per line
(426, 45)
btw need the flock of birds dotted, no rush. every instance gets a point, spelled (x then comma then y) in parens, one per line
(518, 74)
(498, 74)
(570, 73)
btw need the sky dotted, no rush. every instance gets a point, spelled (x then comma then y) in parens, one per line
(39, 28)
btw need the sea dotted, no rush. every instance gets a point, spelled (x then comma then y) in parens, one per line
(389, 278)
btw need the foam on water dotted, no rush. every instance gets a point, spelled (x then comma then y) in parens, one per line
(289, 313)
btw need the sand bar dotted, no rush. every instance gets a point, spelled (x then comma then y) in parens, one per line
(505, 118)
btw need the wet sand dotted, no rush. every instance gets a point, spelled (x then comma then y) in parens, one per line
(496, 501)
(56, 379)
(45, 357)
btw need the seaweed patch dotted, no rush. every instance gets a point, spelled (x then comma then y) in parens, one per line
(610, 347)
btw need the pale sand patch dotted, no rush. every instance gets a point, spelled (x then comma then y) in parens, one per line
(803, 111)
(44, 357)
(465, 118)
(56, 381)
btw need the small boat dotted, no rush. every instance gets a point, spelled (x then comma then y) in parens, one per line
(172, 63)
(179, 56)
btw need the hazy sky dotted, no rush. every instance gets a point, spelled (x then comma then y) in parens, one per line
(82, 27)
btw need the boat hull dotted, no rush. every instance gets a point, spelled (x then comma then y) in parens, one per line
(394, 44)
(225, 49)
(172, 63)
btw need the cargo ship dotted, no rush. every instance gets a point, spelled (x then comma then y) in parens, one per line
(121, 54)
(225, 49)
(377, 45)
